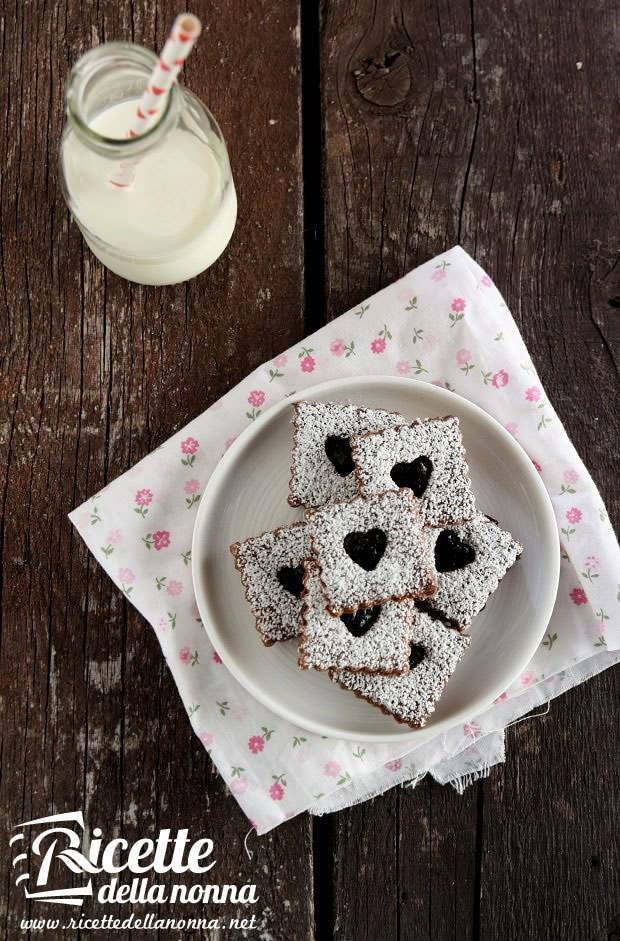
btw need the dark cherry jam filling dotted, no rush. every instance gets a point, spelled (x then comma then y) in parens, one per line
(338, 450)
(292, 579)
(366, 549)
(360, 623)
(413, 474)
(417, 654)
(451, 553)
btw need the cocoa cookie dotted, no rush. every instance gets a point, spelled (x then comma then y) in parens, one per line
(272, 572)
(371, 551)
(471, 560)
(435, 651)
(322, 466)
(373, 640)
(426, 457)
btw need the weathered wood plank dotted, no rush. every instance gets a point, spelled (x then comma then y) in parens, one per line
(96, 373)
(472, 123)
(400, 118)
(550, 824)
(437, 863)
(543, 183)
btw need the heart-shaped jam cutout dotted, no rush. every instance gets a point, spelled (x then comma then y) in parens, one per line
(417, 653)
(338, 450)
(292, 579)
(413, 474)
(366, 549)
(451, 553)
(360, 623)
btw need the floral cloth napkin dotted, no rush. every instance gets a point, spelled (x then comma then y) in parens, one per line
(446, 323)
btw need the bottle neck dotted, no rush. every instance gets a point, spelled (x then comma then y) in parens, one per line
(108, 75)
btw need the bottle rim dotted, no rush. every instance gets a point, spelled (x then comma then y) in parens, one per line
(86, 69)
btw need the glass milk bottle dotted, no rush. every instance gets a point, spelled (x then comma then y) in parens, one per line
(177, 213)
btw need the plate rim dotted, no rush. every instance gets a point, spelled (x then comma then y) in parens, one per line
(401, 733)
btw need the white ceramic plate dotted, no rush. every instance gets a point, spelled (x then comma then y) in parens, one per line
(247, 494)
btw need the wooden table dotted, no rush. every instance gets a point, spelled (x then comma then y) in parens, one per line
(364, 138)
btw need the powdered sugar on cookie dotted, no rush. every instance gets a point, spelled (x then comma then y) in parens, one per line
(463, 592)
(271, 569)
(374, 640)
(322, 468)
(435, 653)
(371, 551)
(429, 457)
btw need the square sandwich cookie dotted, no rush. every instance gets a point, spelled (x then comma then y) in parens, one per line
(373, 640)
(371, 551)
(426, 457)
(471, 560)
(322, 468)
(434, 653)
(272, 572)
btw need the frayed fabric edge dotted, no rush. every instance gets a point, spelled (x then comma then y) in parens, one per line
(415, 781)
(460, 783)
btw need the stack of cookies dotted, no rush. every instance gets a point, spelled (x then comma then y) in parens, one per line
(381, 580)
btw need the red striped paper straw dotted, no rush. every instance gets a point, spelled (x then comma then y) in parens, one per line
(185, 31)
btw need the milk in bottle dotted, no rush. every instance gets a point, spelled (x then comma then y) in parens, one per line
(177, 214)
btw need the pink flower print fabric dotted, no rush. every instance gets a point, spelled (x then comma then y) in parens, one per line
(445, 322)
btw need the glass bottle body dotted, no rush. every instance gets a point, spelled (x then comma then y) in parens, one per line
(176, 214)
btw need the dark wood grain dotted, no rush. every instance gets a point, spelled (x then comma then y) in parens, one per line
(428, 123)
(95, 374)
(471, 122)
(550, 824)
